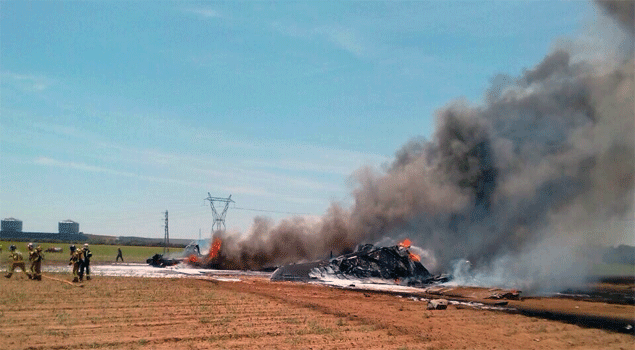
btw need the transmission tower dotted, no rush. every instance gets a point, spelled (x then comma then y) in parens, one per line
(166, 239)
(219, 219)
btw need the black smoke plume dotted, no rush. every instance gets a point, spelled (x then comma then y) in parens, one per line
(519, 186)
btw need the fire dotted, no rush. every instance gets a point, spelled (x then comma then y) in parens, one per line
(192, 259)
(214, 249)
(405, 244)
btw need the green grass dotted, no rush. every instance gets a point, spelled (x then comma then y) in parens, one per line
(102, 253)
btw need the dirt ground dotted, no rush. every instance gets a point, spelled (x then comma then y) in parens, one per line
(253, 313)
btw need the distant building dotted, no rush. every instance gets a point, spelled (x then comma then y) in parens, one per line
(68, 232)
(11, 225)
(68, 227)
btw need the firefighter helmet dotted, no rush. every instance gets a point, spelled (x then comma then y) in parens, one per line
(12, 247)
(72, 247)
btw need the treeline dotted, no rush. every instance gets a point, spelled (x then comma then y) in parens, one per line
(95, 240)
(134, 242)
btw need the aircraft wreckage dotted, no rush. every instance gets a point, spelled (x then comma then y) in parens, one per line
(396, 263)
(191, 255)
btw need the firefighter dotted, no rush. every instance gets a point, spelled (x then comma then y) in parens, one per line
(16, 262)
(35, 257)
(119, 255)
(76, 260)
(86, 265)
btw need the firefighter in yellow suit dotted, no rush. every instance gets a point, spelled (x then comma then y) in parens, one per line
(76, 260)
(16, 262)
(35, 257)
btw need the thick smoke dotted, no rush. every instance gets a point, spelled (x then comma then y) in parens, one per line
(622, 11)
(520, 186)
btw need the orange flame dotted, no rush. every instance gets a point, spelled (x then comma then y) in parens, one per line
(405, 244)
(414, 257)
(214, 249)
(192, 259)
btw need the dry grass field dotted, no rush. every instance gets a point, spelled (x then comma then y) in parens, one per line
(188, 313)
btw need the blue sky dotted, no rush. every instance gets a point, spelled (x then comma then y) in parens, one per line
(113, 112)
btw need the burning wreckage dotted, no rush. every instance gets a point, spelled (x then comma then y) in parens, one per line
(394, 263)
(191, 255)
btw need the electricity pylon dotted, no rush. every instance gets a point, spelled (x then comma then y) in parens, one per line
(166, 238)
(219, 219)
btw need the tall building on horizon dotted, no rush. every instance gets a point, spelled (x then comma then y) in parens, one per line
(11, 225)
(68, 227)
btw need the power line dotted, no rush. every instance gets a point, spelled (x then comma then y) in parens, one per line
(271, 211)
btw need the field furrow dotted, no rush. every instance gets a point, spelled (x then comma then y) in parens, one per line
(139, 313)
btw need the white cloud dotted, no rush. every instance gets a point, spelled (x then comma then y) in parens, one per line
(193, 171)
(205, 12)
(26, 82)
(265, 169)
(345, 38)
(96, 169)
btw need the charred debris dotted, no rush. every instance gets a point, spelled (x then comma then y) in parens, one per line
(158, 260)
(395, 263)
(191, 255)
